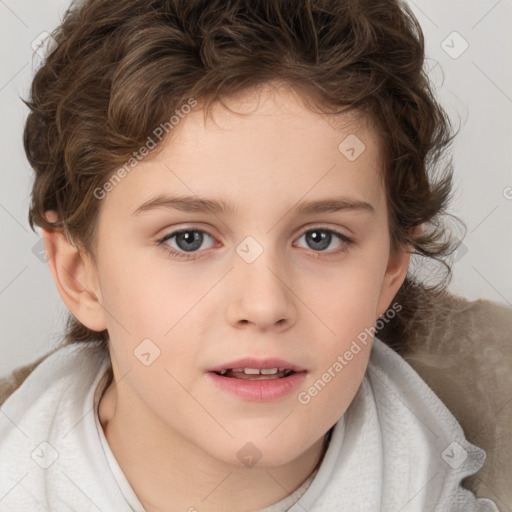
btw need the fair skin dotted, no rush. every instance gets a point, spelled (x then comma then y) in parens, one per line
(175, 434)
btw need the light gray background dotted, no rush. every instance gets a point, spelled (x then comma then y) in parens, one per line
(476, 90)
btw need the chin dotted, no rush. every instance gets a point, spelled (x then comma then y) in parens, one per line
(259, 453)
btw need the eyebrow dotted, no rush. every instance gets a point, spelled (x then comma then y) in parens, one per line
(203, 205)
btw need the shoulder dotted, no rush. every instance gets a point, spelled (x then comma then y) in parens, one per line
(63, 373)
(68, 355)
(46, 428)
(465, 356)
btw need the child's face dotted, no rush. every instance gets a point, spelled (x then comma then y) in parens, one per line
(257, 283)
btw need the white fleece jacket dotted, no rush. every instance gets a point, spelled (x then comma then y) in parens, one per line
(396, 448)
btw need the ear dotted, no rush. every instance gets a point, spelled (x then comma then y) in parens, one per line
(75, 276)
(394, 277)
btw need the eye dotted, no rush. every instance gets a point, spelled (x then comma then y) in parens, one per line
(319, 239)
(186, 243)
(179, 243)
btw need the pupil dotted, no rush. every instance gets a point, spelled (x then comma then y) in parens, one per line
(320, 237)
(193, 238)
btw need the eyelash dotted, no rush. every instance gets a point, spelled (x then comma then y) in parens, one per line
(346, 243)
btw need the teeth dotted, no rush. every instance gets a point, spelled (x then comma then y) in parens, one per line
(263, 371)
(256, 371)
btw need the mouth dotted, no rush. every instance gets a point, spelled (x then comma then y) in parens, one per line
(255, 373)
(258, 380)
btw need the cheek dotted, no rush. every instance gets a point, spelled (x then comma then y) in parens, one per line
(150, 310)
(346, 297)
(342, 347)
(142, 295)
(347, 306)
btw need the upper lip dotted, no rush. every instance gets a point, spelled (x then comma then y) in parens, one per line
(260, 364)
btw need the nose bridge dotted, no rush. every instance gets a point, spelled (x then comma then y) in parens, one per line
(261, 296)
(258, 266)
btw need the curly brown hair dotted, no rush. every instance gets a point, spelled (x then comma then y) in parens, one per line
(120, 68)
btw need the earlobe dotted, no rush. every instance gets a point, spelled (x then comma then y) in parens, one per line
(75, 277)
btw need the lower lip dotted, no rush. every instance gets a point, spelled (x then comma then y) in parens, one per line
(259, 390)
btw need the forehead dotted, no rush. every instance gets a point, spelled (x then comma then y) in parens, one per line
(258, 149)
(275, 105)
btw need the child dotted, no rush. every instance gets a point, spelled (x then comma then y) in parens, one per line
(290, 144)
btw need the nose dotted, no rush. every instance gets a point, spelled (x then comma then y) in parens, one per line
(261, 295)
